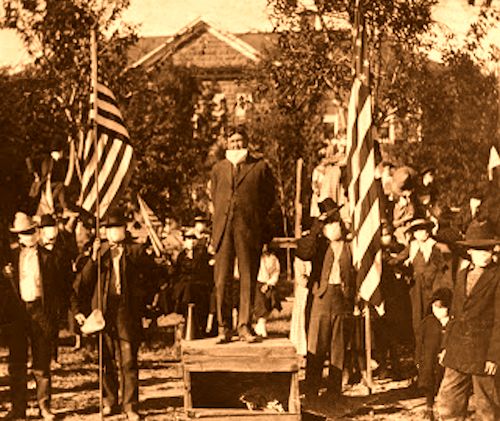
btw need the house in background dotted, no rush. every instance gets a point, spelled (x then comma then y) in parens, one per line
(221, 60)
(218, 59)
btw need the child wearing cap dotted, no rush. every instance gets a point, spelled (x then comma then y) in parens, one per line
(430, 346)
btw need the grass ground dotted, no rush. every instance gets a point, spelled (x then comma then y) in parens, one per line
(76, 397)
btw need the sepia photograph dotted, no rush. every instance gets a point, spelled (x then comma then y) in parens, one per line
(250, 210)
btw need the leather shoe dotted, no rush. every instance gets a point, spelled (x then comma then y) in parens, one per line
(15, 415)
(224, 336)
(108, 410)
(132, 416)
(47, 414)
(246, 336)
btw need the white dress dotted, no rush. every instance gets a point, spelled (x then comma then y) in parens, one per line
(298, 335)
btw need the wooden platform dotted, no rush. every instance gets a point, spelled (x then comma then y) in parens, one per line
(222, 369)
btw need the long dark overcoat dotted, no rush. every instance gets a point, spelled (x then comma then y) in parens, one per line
(138, 279)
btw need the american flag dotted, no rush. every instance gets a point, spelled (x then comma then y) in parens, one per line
(113, 157)
(362, 186)
(153, 225)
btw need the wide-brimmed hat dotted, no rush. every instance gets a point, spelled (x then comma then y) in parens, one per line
(479, 235)
(115, 218)
(47, 220)
(329, 210)
(22, 223)
(420, 223)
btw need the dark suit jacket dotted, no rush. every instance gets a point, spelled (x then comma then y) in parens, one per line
(52, 279)
(137, 280)
(314, 248)
(250, 196)
(473, 333)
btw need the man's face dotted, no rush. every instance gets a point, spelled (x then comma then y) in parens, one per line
(49, 234)
(236, 141)
(200, 227)
(28, 238)
(332, 231)
(428, 178)
(480, 258)
(115, 235)
(421, 235)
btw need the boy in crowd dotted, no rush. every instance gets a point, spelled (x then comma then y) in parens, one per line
(430, 347)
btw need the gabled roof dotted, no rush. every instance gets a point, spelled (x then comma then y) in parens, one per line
(152, 50)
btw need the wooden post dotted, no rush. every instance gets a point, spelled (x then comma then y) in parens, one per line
(93, 78)
(298, 201)
(368, 347)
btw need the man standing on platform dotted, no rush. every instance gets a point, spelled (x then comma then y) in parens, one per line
(242, 188)
(36, 292)
(126, 289)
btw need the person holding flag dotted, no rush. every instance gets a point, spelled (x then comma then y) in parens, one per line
(126, 289)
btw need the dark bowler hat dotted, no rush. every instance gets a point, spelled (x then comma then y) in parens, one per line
(420, 223)
(479, 235)
(329, 210)
(47, 220)
(115, 218)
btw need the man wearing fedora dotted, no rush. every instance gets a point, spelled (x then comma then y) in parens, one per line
(332, 281)
(472, 340)
(242, 192)
(126, 288)
(37, 284)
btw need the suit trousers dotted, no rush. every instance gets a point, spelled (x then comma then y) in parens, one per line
(326, 338)
(120, 349)
(235, 243)
(34, 330)
(456, 389)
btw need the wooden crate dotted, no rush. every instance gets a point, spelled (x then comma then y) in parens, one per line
(234, 364)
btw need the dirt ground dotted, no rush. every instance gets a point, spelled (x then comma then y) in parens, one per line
(76, 397)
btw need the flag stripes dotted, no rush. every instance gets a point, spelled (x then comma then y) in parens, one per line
(113, 158)
(364, 203)
(152, 224)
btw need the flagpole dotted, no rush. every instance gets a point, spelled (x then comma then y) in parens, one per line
(93, 52)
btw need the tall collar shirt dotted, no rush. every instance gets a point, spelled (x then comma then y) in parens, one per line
(116, 284)
(336, 248)
(30, 282)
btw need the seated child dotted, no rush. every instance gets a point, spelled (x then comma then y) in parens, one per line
(430, 346)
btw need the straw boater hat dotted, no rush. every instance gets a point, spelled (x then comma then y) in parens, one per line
(479, 235)
(420, 223)
(22, 223)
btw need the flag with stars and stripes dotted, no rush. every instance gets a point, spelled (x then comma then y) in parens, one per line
(153, 225)
(113, 157)
(363, 196)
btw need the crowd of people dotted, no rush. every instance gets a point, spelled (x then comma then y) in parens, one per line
(439, 285)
